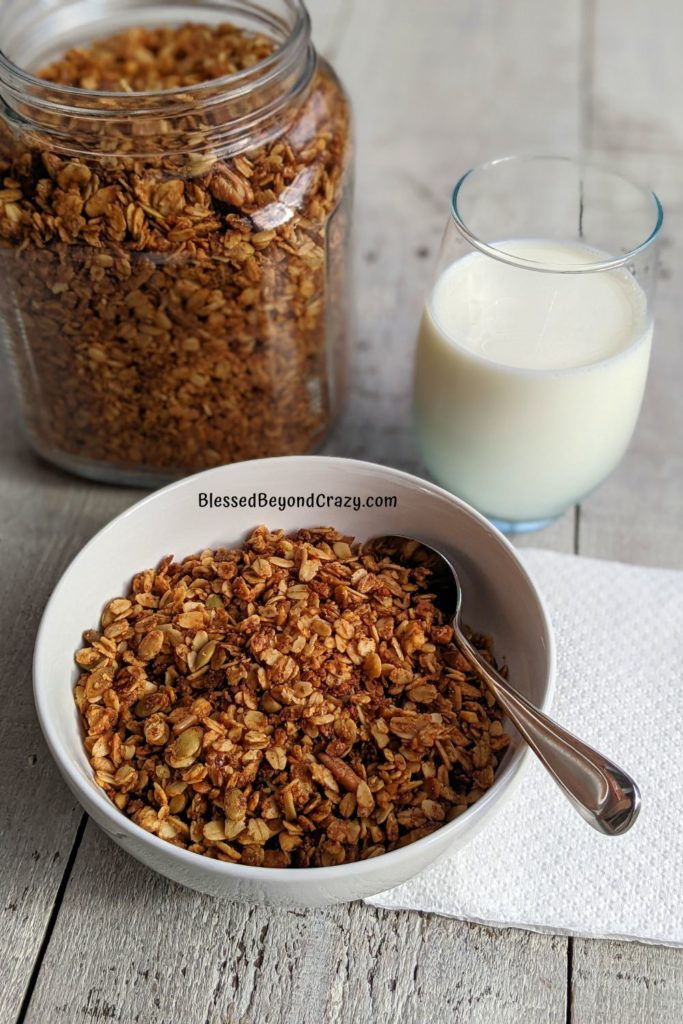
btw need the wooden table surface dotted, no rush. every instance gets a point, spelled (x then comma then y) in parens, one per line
(86, 933)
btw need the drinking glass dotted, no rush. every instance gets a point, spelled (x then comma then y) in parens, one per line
(535, 341)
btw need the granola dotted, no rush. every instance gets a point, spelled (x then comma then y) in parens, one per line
(167, 307)
(298, 701)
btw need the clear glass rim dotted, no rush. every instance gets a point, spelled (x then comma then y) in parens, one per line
(495, 252)
(235, 84)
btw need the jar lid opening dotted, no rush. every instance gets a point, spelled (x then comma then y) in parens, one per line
(73, 24)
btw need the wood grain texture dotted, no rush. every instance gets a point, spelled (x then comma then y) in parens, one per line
(633, 121)
(436, 87)
(625, 983)
(115, 927)
(144, 951)
(634, 77)
(45, 518)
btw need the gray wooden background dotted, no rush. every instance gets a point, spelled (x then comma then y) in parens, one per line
(86, 933)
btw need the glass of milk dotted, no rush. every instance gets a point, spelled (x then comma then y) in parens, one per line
(535, 340)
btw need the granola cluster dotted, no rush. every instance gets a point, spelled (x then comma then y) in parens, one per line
(167, 308)
(296, 702)
(150, 59)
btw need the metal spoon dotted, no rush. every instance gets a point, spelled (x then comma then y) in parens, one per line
(603, 794)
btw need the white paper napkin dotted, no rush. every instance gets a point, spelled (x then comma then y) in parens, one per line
(537, 865)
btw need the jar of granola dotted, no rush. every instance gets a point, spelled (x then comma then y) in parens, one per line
(174, 225)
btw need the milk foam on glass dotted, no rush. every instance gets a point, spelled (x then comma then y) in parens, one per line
(535, 340)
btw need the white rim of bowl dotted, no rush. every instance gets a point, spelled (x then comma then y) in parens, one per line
(291, 875)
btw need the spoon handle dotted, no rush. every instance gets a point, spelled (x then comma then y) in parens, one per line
(605, 796)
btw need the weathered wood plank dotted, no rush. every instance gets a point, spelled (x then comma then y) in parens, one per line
(45, 517)
(626, 983)
(559, 536)
(633, 121)
(410, 153)
(636, 76)
(438, 87)
(125, 935)
(143, 950)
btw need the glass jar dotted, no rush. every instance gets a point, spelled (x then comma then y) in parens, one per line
(174, 260)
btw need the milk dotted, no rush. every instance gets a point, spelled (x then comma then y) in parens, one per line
(528, 384)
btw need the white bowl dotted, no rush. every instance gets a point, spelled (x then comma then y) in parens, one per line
(499, 598)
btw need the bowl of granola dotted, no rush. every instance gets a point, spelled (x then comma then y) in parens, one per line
(253, 699)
